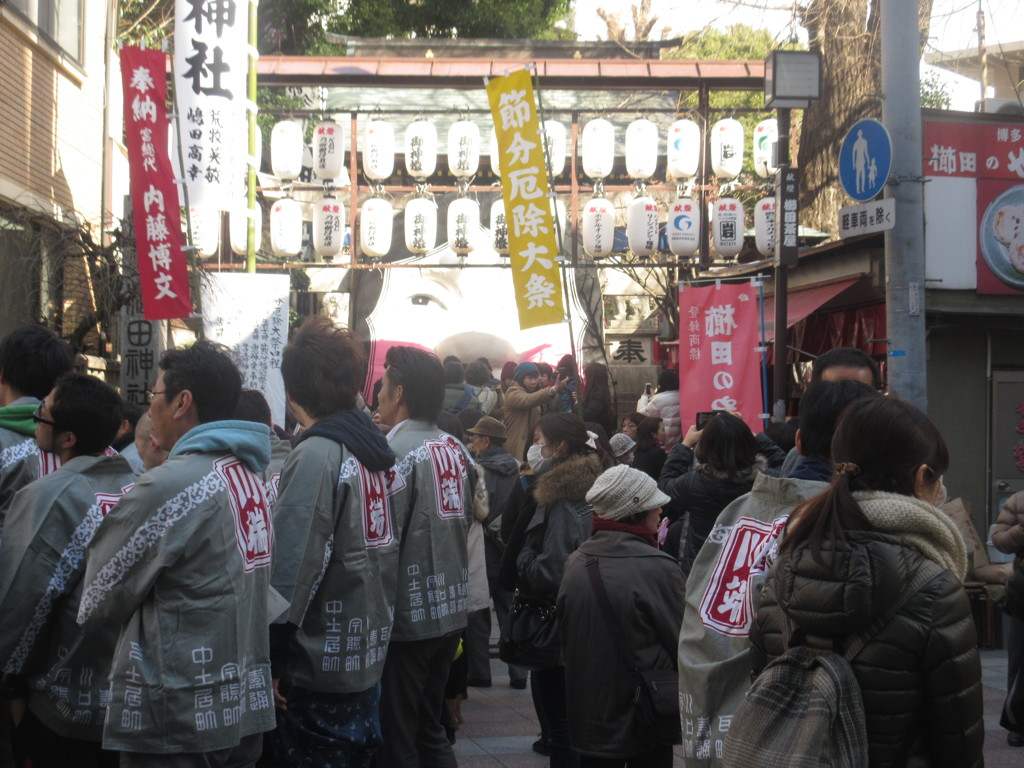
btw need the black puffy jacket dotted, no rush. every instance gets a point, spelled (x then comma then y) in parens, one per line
(920, 676)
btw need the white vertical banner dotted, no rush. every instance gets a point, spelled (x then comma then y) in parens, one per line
(210, 65)
(249, 315)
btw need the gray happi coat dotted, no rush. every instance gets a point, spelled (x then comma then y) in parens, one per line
(49, 525)
(721, 600)
(182, 564)
(432, 490)
(337, 562)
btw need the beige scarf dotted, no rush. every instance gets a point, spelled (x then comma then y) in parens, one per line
(917, 523)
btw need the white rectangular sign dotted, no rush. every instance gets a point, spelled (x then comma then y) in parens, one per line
(249, 315)
(865, 218)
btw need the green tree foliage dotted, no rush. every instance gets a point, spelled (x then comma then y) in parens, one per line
(740, 43)
(935, 91)
(507, 19)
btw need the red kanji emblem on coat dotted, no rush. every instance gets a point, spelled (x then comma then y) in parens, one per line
(726, 606)
(449, 465)
(377, 528)
(248, 499)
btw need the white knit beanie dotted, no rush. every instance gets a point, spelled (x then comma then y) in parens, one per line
(622, 492)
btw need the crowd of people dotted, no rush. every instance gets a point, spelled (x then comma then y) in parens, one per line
(196, 585)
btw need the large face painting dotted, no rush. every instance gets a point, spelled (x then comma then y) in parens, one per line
(465, 306)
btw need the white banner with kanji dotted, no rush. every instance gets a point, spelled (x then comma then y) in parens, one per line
(249, 315)
(210, 66)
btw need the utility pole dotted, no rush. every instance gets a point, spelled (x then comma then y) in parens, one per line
(982, 53)
(904, 243)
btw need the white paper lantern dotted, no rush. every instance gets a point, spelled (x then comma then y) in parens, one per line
(463, 225)
(598, 226)
(494, 154)
(328, 150)
(421, 149)
(328, 227)
(727, 227)
(376, 220)
(683, 227)
(727, 148)
(205, 223)
(378, 149)
(420, 225)
(238, 226)
(463, 149)
(764, 226)
(555, 138)
(286, 147)
(642, 141)
(683, 149)
(598, 148)
(642, 226)
(499, 227)
(766, 139)
(286, 227)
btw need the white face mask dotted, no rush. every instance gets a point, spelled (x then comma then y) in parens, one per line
(537, 461)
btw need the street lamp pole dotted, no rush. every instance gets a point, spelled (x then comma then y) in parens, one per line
(792, 80)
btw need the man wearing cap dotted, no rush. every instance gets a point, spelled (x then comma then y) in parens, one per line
(644, 592)
(622, 446)
(523, 407)
(505, 494)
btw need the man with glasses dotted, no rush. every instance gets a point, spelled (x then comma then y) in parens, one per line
(49, 525)
(32, 358)
(182, 566)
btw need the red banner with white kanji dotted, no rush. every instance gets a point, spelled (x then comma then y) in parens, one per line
(719, 361)
(163, 268)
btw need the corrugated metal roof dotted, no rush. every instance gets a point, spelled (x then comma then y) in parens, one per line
(604, 74)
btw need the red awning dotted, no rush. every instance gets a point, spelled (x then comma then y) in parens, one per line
(803, 302)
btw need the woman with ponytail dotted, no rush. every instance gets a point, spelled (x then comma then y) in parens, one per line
(845, 558)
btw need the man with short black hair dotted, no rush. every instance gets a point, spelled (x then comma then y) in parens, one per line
(729, 571)
(32, 358)
(49, 525)
(336, 559)
(838, 364)
(253, 406)
(432, 491)
(846, 363)
(182, 566)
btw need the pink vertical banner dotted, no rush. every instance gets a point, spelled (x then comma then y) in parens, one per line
(719, 357)
(163, 268)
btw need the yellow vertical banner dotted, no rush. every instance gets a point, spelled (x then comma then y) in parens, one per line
(524, 187)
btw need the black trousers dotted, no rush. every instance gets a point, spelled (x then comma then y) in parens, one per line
(412, 693)
(47, 749)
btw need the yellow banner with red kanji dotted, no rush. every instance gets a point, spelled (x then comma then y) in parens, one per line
(533, 246)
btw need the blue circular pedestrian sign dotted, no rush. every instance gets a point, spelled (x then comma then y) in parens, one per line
(865, 160)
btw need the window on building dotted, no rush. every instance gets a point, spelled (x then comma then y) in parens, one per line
(58, 20)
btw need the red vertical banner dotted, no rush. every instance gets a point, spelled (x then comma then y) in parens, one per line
(163, 268)
(719, 361)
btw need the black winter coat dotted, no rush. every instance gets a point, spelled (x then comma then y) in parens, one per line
(700, 493)
(645, 590)
(920, 677)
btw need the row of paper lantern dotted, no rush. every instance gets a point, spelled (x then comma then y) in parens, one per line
(376, 217)
(597, 149)
(682, 226)
(597, 225)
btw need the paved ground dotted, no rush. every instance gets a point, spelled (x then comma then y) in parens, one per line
(500, 725)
